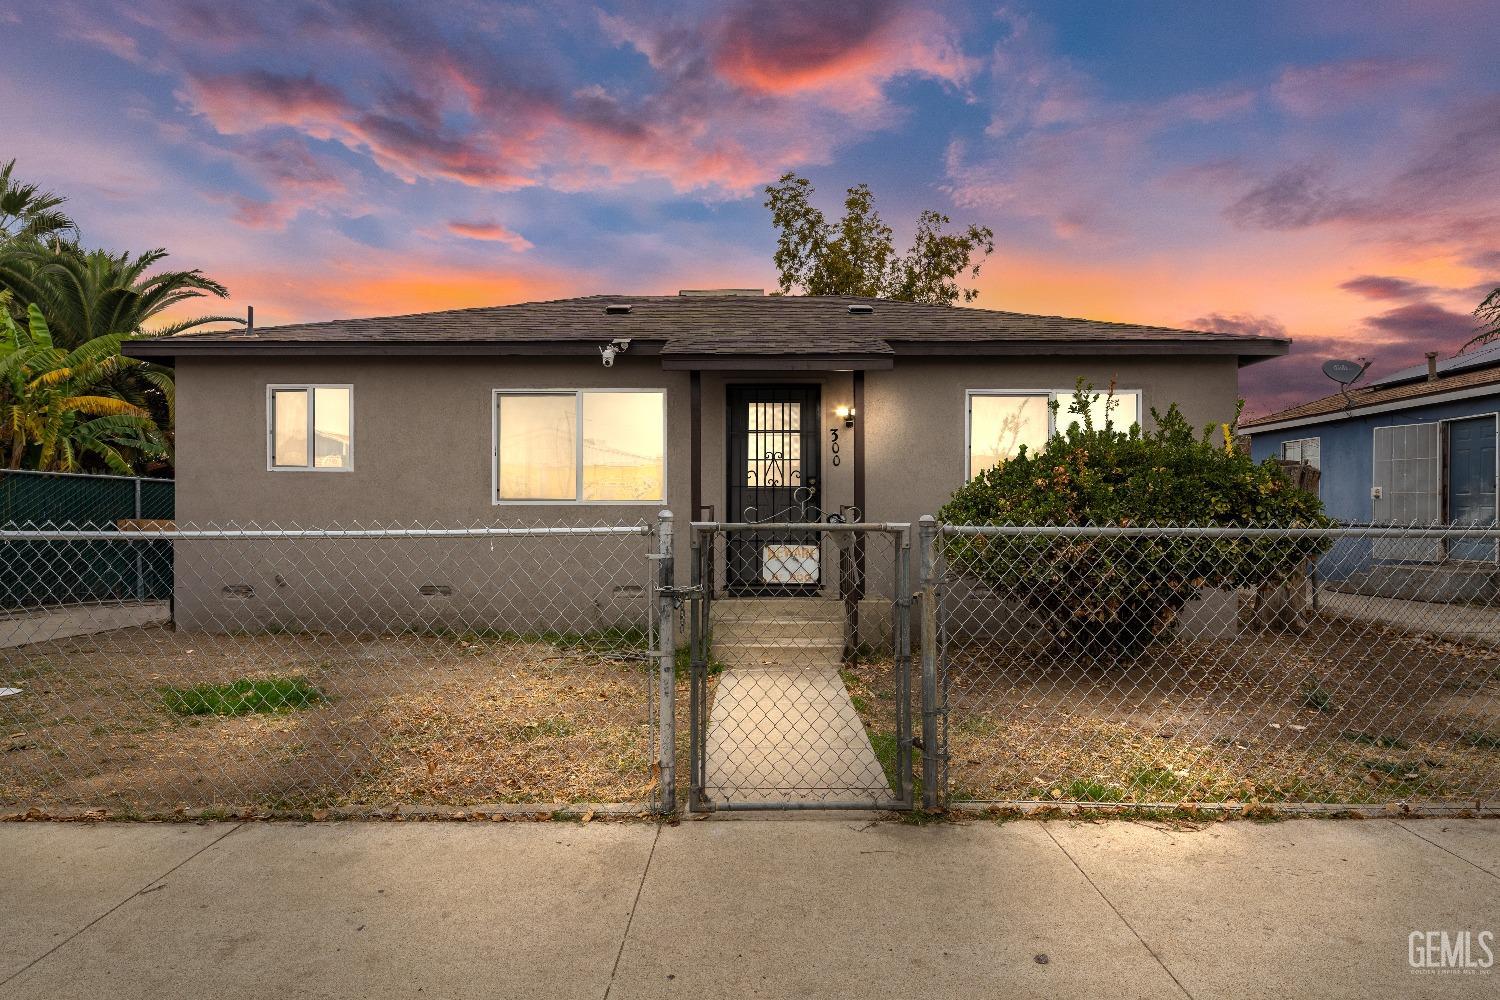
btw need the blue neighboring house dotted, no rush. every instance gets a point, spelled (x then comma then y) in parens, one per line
(1414, 447)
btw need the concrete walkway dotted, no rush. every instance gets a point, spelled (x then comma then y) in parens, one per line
(782, 727)
(1456, 622)
(741, 908)
(26, 627)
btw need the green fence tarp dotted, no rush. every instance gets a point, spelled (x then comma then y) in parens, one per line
(42, 573)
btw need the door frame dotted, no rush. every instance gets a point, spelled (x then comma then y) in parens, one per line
(811, 455)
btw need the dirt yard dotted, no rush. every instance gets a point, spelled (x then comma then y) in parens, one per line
(398, 719)
(1346, 713)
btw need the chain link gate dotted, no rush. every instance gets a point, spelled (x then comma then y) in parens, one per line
(800, 640)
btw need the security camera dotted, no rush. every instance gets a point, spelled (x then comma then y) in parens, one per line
(607, 353)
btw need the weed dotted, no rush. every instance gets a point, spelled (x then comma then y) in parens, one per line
(1160, 780)
(1315, 696)
(242, 697)
(1480, 741)
(1372, 740)
(555, 728)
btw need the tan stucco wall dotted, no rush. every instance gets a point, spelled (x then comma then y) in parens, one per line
(422, 440)
(423, 432)
(915, 454)
(422, 453)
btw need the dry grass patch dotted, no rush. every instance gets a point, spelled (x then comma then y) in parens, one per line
(1342, 714)
(402, 719)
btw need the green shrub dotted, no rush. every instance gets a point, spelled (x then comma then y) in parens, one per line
(1117, 594)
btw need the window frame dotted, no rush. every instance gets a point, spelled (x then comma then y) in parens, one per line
(312, 415)
(1051, 394)
(1303, 441)
(577, 392)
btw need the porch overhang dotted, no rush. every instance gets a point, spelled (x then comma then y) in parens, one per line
(776, 362)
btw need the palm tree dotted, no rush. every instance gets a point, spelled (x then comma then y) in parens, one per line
(29, 213)
(86, 294)
(60, 408)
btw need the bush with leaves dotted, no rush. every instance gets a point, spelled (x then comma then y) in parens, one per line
(1117, 593)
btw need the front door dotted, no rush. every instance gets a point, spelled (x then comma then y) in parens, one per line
(773, 479)
(1471, 483)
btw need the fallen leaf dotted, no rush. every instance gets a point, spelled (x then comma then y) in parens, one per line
(587, 816)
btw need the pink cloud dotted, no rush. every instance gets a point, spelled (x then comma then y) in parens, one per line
(491, 232)
(253, 99)
(786, 46)
(1337, 86)
(259, 214)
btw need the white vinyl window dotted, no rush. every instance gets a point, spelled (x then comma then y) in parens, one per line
(1309, 450)
(580, 446)
(309, 428)
(1000, 422)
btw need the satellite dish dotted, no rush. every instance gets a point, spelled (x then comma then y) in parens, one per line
(1344, 372)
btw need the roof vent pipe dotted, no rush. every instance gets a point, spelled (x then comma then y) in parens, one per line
(1432, 372)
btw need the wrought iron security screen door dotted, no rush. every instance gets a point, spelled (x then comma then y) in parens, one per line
(773, 479)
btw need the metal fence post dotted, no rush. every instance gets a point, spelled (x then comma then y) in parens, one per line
(666, 662)
(140, 556)
(931, 751)
(902, 643)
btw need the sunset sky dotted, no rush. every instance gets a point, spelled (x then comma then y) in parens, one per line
(1314, 168)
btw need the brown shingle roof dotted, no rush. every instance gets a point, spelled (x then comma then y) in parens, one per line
(726, 324)
(1375, 395)
(770, 342)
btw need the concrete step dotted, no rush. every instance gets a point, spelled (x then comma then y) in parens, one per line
(761, 608)
(761, 630)
(787, 654)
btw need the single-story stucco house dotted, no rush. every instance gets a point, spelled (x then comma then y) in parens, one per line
(726, 405)
(1417, 446)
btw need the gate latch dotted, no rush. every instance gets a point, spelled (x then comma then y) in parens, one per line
(679, 594)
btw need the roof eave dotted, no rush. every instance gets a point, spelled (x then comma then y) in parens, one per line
(777, 362)
(173, 347)
(1248, 351)
(1269, 425)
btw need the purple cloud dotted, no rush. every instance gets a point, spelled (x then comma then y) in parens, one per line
(1425, 325)
(1294, 198)
(1340, 86)
(1375, 286)
(1242, 323)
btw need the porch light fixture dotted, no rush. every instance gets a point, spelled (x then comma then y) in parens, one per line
(846, 414)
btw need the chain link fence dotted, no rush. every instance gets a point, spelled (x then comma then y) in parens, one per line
(367, 667)
(354, 668)
(801, 683)
(1171, 665)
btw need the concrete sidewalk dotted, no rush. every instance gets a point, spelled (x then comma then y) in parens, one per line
(764, 908)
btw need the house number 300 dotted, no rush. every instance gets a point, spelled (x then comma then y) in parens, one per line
(833, 434)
